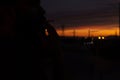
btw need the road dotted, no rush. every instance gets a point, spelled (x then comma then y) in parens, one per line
(82, 63)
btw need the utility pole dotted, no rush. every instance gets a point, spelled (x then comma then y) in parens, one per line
(89, 32)
(74, 33)
(119, 19)
(63, 30)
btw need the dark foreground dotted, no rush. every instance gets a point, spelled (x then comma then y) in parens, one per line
(97, 61)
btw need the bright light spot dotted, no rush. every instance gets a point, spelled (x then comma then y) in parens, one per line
(99, 37)
(46, 32)
(103, 37)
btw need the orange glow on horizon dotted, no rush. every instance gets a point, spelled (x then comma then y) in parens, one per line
(90, 31)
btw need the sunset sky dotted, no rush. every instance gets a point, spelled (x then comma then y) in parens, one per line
(79, 17)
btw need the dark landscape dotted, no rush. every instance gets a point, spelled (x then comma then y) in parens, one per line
(91, 59)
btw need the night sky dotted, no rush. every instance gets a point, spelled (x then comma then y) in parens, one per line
(100, 15)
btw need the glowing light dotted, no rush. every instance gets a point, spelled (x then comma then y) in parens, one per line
(103, 37)
(46, 32)
(99, 37)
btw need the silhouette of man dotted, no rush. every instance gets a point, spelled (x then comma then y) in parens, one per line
(26, 33)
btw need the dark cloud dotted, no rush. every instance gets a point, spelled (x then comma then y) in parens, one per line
(53, 6)
(82, 12)
(94, 17)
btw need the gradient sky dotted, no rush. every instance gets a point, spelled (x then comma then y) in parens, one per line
(98, 16)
